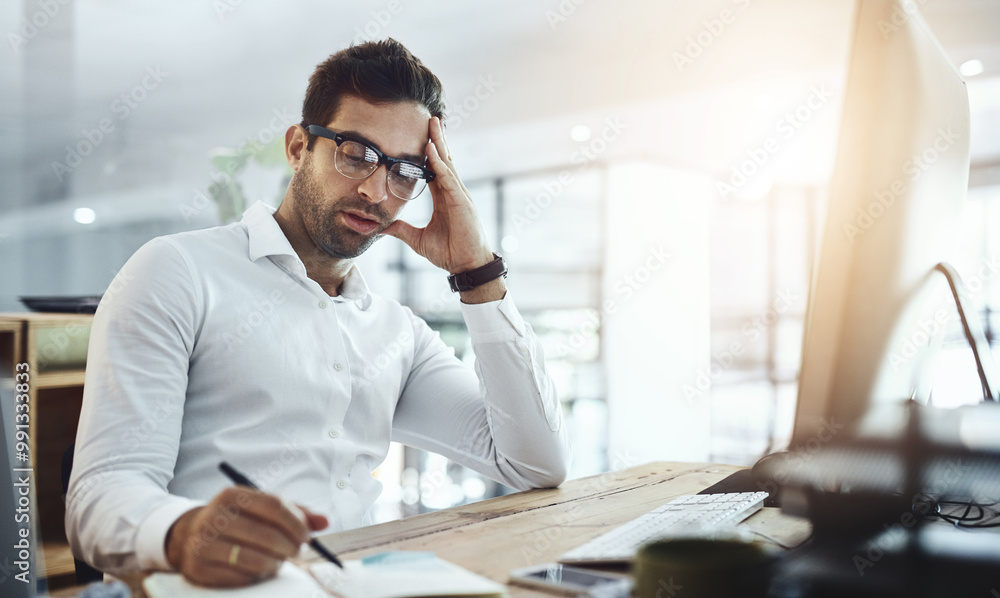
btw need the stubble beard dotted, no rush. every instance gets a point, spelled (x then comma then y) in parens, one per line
(319, 217)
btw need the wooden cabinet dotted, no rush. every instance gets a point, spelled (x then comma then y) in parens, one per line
(55, 348)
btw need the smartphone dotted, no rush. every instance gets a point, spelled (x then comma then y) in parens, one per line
(572, 580)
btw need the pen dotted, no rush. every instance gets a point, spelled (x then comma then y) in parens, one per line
(241, 480)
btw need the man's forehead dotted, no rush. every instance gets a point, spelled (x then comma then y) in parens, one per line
(398, 129)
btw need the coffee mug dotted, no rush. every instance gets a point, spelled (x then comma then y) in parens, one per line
(702, 568)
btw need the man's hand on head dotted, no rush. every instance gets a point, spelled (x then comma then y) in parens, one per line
(454, 238)
(241, 537)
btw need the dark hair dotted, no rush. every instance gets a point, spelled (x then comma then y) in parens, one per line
(377, 72)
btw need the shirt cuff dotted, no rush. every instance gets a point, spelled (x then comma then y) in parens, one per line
(493, 321)
(150, 541)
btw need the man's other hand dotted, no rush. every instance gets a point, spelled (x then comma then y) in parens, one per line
(239, 538)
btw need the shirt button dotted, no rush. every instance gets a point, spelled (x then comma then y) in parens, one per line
(337, 366)
(341, 484)
(322, 304)
(334, 434)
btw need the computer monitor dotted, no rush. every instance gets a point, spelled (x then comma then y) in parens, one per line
(875, 315)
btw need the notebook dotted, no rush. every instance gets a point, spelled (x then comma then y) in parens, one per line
(386, 575)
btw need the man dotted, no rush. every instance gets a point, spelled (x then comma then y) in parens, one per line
(258, 343)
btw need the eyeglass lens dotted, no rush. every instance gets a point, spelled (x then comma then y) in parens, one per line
(357, 161)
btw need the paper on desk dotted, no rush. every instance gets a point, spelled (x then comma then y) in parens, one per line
(389, 575)
(404, 575)
(290, 581)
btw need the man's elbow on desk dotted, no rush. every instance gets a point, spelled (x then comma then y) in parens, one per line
(554, 478)
(549, 473)
(546, 478)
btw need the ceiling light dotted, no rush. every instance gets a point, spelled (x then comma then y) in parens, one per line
(971, 68)
(84, 215)
(579, 133)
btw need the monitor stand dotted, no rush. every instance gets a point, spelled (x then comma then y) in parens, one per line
(973, 332)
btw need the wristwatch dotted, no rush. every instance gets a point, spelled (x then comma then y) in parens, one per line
(465, 281)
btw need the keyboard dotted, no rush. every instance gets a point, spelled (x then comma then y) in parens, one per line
(692, 515)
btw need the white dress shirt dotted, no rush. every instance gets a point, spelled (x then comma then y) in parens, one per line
(214, 345)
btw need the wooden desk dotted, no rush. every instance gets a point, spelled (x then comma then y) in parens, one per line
(529, 528)
(492, 537)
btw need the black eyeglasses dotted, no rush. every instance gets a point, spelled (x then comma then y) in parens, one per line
(357, 160)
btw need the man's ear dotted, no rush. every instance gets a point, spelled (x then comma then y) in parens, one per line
(296, 139)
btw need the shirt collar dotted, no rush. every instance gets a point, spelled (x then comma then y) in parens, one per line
(267, 239)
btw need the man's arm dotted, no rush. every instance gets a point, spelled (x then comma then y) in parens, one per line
(504, 420)
(119, 514)
(130, 423)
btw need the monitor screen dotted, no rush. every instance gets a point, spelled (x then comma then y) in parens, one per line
(877, 309)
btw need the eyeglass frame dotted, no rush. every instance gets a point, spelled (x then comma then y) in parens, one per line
(389, 161)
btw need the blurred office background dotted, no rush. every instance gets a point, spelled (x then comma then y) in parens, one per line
(654, 172)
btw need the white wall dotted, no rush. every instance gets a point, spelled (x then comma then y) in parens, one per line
(656, 310)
